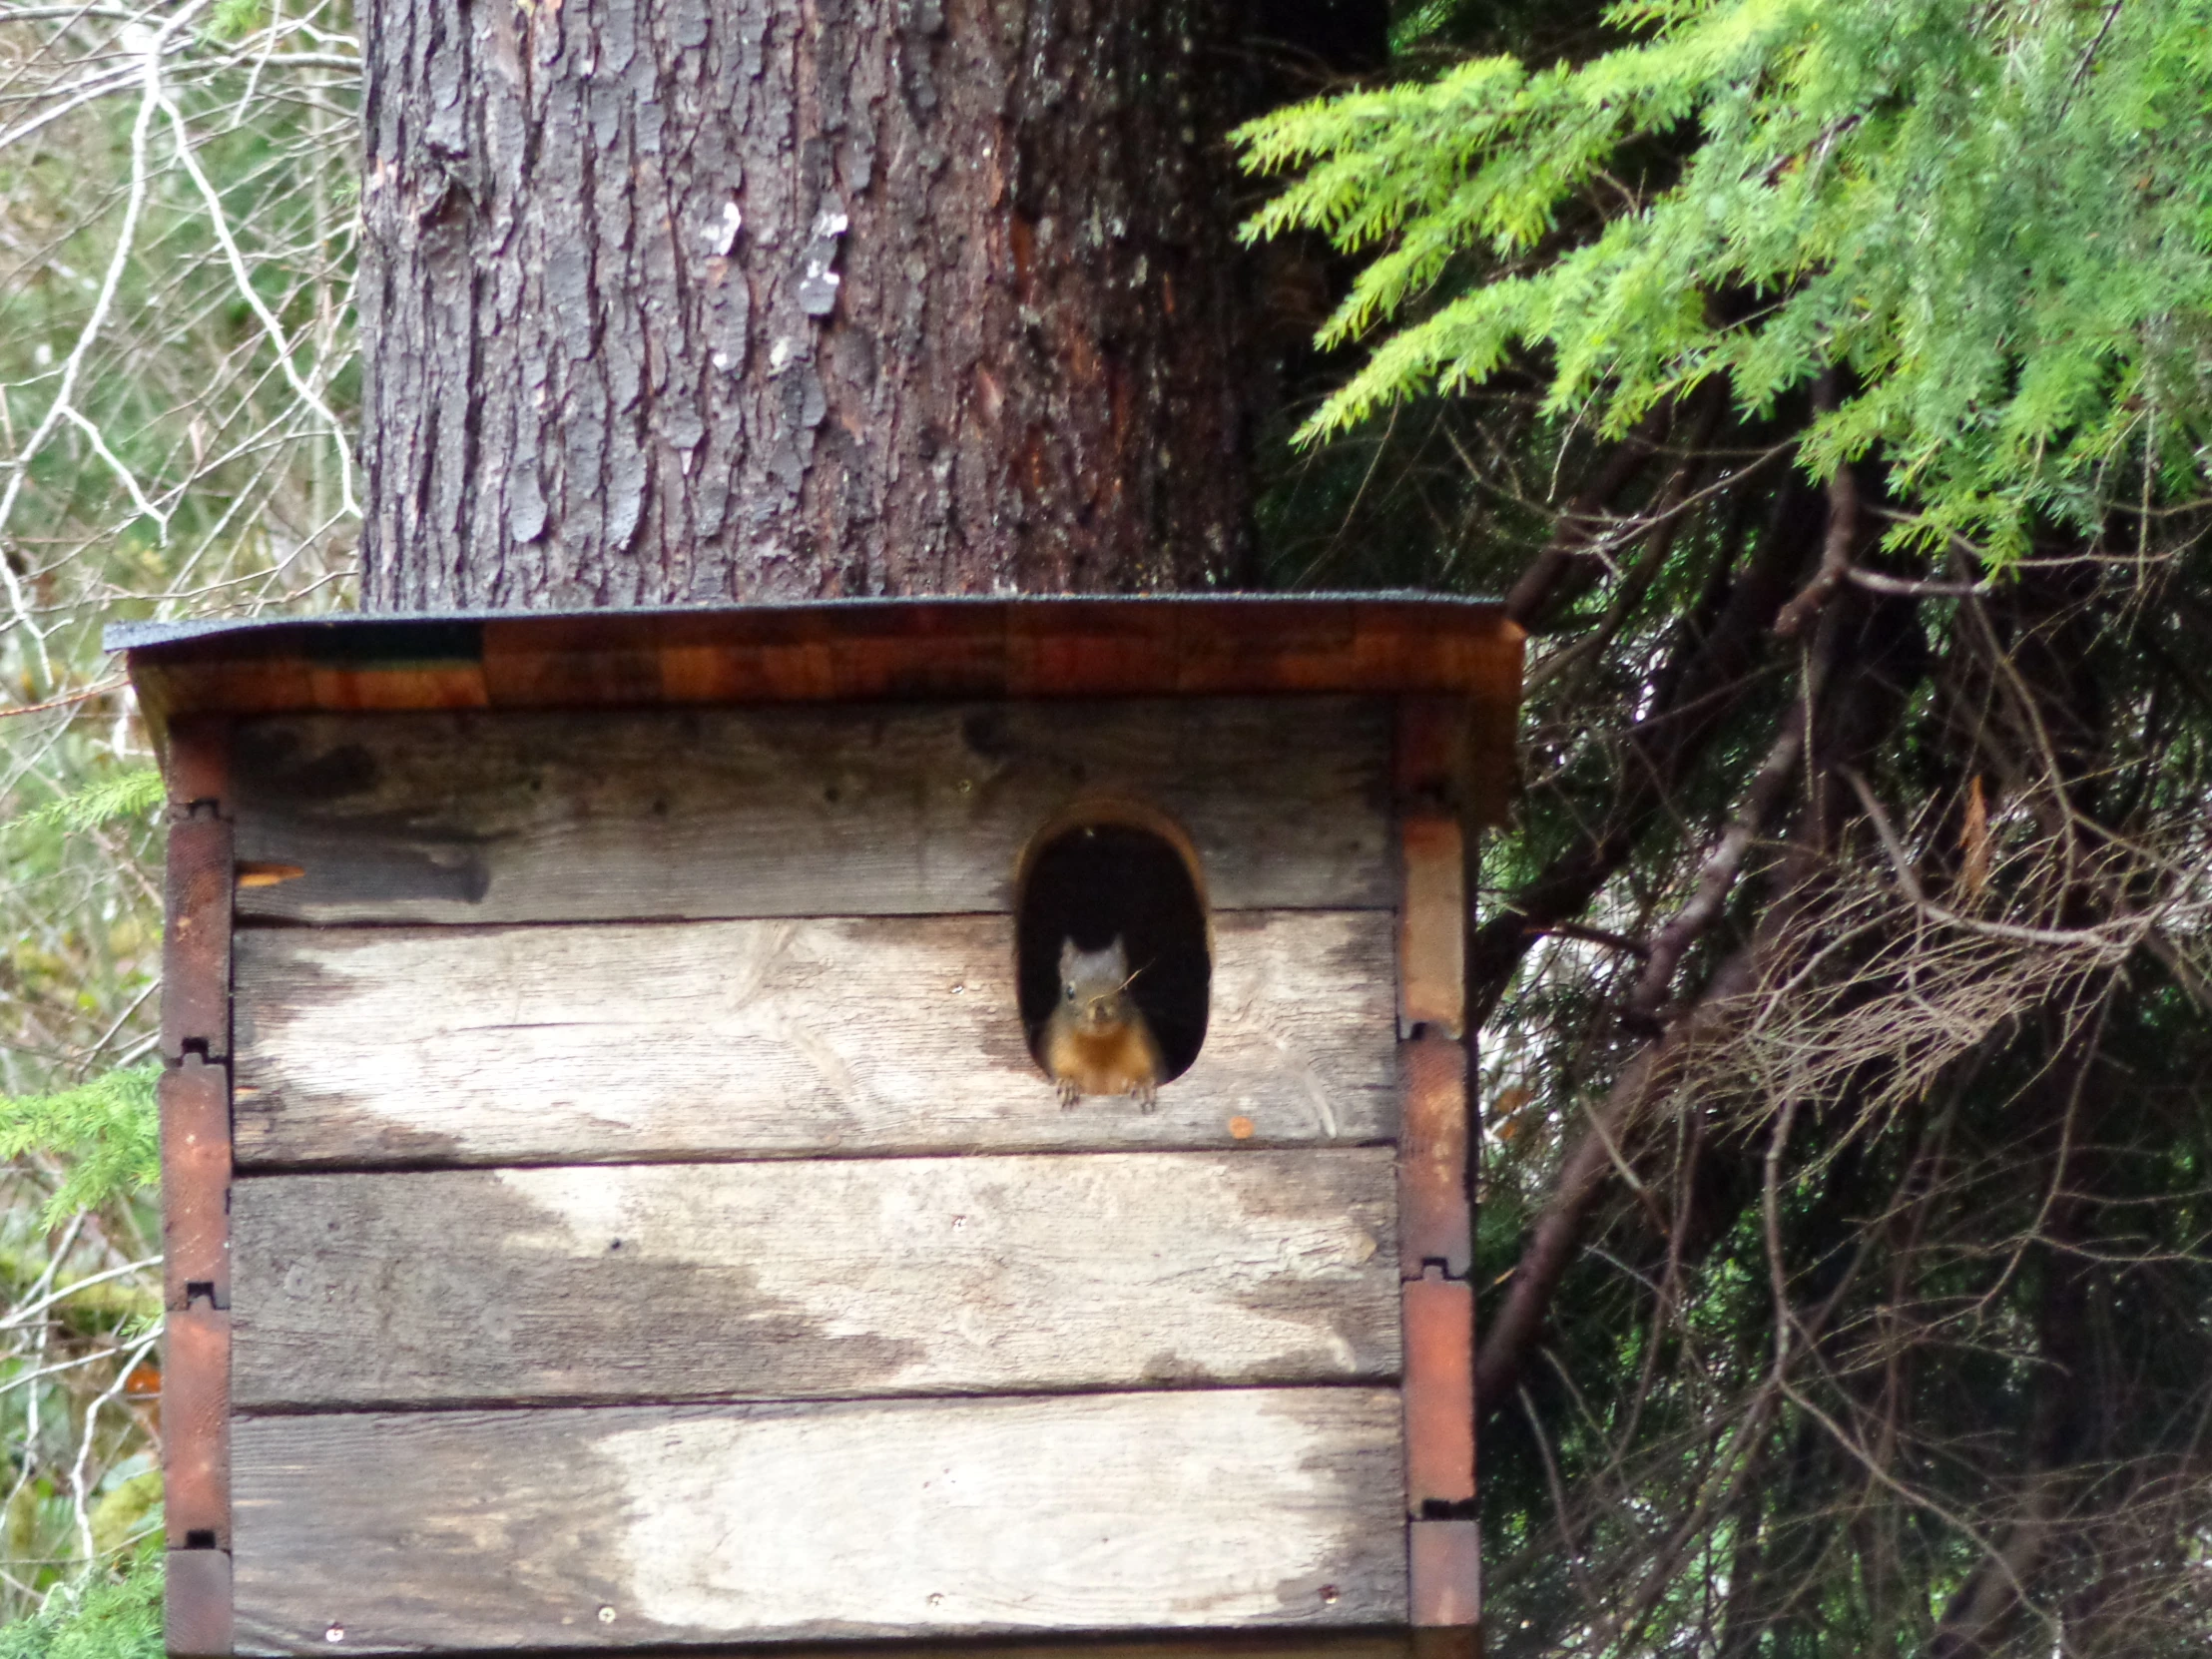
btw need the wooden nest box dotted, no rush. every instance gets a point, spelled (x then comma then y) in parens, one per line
(612, 1197)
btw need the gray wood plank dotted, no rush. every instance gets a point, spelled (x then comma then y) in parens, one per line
(812, 1279)
(631, 1525)
(1288, 1644)
(474, 817)
(1243, 1644)
(628, 1041)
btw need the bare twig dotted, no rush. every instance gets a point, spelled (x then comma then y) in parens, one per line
(103, 689)
(1897, 587)
(1842, 535)
(24, 1316)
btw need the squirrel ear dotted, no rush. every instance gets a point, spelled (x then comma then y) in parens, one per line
(1068, 953)
(1120, 955)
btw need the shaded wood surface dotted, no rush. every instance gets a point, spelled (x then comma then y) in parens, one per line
(196, 1604)
(863, 809)
(1188, 1509)
(196, 1428)
(1463, 654)
(194, 1099)
(794, 1279)
(1244, 1644)
(632, 1041)
(195, 942)
(1433, 925)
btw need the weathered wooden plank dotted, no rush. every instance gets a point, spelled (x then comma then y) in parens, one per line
(196, 939)
(633, 1525)
(195, 1170)
(1435, 1216)
(196, 1184)
(196, 762)
(1432, 954)
(1435, 1190)
(195, 1422)
(1216, 1644)
(623, 1041)
(196, 1604)
(867, 810)
(1279, 1643)
(1033, 646)
(1440, 1392)
(1445, 1558)
(812, 1279)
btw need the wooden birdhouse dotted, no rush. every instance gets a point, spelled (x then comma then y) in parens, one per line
(614, 1195)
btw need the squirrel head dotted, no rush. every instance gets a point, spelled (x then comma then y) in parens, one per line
(1094, 984)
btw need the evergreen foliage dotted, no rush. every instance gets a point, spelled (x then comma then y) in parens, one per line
(108, 1616)
(1994, 219)
(177, 383)
(106, 1132)
(131, 793)
(1823, 386)
(1846, 974)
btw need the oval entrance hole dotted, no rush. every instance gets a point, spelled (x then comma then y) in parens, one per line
(1118, 872)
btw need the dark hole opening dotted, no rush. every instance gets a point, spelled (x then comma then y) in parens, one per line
(1094, 883)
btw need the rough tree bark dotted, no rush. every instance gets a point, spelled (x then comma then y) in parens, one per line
(690, 301)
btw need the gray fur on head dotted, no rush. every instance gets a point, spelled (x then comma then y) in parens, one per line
(1088, 967)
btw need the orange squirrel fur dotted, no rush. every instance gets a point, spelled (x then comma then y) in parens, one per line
(1097, 1041)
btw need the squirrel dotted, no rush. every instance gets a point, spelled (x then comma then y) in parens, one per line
(1097, 1041)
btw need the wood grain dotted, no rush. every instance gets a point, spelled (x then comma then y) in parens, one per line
(812, 1279)
(623, 1041)
(196, 1184)
(1446, 1562)
(196, 1428)
(1431, 952)
(1435, 1211)
(1279, 1643)
(1097, 1512)
(196, 1604)
(877, 810)
(1439, 1391)
(1288, 1644)
(196, 937)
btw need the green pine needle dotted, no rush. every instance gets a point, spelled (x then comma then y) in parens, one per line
(106, 1617)
(1994, 218)
(132, 794)
(107, 1132)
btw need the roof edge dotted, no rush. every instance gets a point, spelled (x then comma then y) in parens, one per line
(977, 649)
(141, 636)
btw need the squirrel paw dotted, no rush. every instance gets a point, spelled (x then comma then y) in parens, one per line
(1148, 1097)
(1070, 1094)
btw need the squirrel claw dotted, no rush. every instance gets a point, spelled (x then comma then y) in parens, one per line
(1148, 1097)
(1070, 1094)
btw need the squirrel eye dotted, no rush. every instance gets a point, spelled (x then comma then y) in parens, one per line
(1070, 994)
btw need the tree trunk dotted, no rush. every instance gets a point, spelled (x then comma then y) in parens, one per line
(694, 300)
